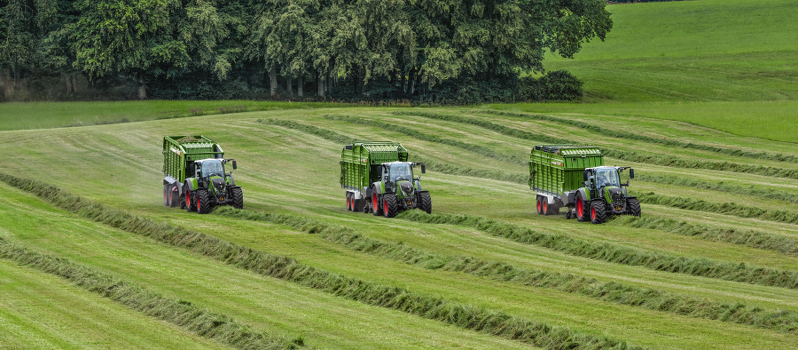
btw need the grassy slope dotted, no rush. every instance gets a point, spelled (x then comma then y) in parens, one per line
(286, 170)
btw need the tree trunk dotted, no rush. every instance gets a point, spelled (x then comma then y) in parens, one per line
(142, 88)
(74, 82)
(68, 80)
(16, 74)
(320, 80)
(6, 84)
(329, 80)
(273, 81)
(299, 86)
(288, 85)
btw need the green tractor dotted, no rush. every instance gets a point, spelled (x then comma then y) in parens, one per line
(604, 195)
(194, 175)
(379, 179)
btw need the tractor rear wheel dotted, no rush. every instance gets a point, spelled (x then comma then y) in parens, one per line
(598, 212)
(581, 210)
(189, 197)
(425, 201)
(633, 207)
(389, 206)
(203, 201)
(375, 204)
(238, 198)
(165, 195)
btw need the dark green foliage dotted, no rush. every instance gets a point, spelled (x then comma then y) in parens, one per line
(211, 325)
(782, 320)
(289, 269)
(733, 209)
(556, 85)
(748, 238)
(616, 253)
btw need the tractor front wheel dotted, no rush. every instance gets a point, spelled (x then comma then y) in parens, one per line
(581, 210)
(598, 212)
(633, 207)
(203, 201)
(389, 206)
(375, 204)
(425, 201)
(238, 198)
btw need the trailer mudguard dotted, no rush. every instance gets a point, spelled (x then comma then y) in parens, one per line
(169, 180)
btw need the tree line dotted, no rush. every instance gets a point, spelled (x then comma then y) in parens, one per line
(340, 49)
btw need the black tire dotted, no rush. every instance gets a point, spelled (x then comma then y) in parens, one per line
(539, 205)
(349, 205)
(203, 201)
(174, 196)
(581, 210)
(166, 195)
(238, 198)
(633, 207)
(568, 215)
(189, 199)
(366, 208)
(598, 212)
(546, 206)
(375, 204)
(425, 202)
(389, 206)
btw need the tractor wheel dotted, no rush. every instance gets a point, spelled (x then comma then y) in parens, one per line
(375, 204)
(238, 198)
(598, 212)
(426, 202)
(174, 196)
(633, 207)
(389, 206)
(539, 206)
(166, 195)
(189, 204)
(581, 210)
(203, 201)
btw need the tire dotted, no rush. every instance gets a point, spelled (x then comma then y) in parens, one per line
(425, 200)
(598, 212)
(165, 195)
(174, 197)
(203, 201)
(568, 215)
(375, 204)
(349, 205)
(633, 207)
(546, 210)
(238, 198)
(539, 206)
(389, 206)
(581, 210)
(190, 207)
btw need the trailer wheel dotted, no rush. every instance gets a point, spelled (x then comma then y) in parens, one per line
(539, 206)
(189, 204)
(375, 204)
(350, 203)
(203, 201)
(238, 198)
(389, 207)
(633, 207)
(598, 212)
(426, 202)
(174, 196)
(581, 210)
(545, 202)
(165, 194)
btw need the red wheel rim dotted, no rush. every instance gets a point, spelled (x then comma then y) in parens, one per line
(347, 203)
(188, 199)
(593, 213)
(538, 205)
(545, 207)
(579, 208)
(198, 205)
(374, 203)
(385, 207)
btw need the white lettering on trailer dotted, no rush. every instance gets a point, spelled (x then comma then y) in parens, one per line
(175, 150)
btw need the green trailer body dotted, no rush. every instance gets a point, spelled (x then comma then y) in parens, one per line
(379, 179)
(555, 169)
(194, 176)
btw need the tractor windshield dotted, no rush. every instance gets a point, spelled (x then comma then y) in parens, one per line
(401, 171)
(212, 167)
(607, 177)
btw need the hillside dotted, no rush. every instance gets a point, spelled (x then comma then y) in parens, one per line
(705, 50)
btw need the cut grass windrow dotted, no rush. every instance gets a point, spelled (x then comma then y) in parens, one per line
(748, 238)
(651, 299)
(733, 209)
(434, 165)
(182, 313)
(625, 155)
(516, 159)
(720, 186)
(633, 136)
(289, 269)
(614, 253)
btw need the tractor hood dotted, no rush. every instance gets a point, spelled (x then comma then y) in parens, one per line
(406, 188)
(218, 183)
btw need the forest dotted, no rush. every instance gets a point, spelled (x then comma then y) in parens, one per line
(442, 51)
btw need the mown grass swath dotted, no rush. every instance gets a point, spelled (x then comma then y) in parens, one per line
(211, 325)
(748, 238)
(720, 187)
(434, 165)
(733, 209)
(616, 253)
(651, 299)
(619, 154)
(633, 136)
(289, 269)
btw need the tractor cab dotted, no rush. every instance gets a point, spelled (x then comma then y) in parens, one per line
(398, 177)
